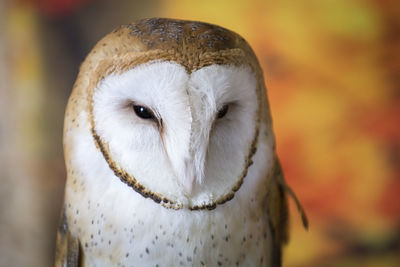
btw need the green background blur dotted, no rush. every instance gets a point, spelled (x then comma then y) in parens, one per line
(332, 70)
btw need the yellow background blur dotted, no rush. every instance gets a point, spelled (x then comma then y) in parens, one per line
(332, 71)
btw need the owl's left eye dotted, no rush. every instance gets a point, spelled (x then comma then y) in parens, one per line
(222, 112)
(143, 112)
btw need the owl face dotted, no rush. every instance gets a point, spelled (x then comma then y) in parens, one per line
(174, 108)
(182, 138)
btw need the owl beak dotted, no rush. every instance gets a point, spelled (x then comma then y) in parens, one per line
(187, 148)
(188, 177)
(188, 184)
(194, 169)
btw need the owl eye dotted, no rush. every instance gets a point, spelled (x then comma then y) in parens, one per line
(143, 112)
(222, 112)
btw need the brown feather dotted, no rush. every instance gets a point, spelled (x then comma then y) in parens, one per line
(68, 251)
(278, 212)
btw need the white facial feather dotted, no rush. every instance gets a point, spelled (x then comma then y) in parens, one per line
(194, 157)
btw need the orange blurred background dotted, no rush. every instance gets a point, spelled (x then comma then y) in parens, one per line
(332, 71)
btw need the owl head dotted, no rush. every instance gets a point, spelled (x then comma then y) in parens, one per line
(174, 108)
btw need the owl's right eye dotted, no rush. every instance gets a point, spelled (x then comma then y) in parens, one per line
(143, 112)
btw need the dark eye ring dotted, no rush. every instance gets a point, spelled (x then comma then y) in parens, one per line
(222, 112)
(143, 112)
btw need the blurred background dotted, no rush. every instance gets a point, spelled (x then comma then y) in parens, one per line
(332, 71)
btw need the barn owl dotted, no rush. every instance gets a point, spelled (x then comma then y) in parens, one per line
(170, 153)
